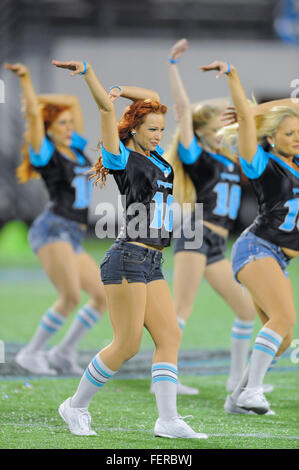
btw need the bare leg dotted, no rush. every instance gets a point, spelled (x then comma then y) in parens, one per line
(64, 356)
(188, 271)
(220, 277)
(59, 262)
(272, 293)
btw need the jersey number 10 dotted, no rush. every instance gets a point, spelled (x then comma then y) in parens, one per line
(158, 221)
(228, 200)
(290, 219)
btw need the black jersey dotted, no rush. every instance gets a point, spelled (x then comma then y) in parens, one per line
(68, 185)
(217, 183)
(276, 186)
(145, 182)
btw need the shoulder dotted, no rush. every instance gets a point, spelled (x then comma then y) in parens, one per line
(258, 164)
(191, 154)
(45, 153)
(78, 141)
(116, 161)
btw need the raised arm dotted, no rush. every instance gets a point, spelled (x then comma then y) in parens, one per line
(247, 129)
(35, 124)
(264, 107)
(66, 100)
(133, 93)
(104, 103)
(180, 97)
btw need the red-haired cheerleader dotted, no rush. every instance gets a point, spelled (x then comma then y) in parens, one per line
(54, 150)
(136, 291)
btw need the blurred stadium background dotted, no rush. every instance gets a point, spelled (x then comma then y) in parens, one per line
(128, 43)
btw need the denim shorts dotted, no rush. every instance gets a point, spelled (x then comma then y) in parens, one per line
(49, 228)
(249, 247)
(132, 262)
(213, 246)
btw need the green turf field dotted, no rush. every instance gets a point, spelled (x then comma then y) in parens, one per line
(124, 412)
(30, 420)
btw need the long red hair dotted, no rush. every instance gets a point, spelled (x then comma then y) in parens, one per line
(133, 117)
(25, 170)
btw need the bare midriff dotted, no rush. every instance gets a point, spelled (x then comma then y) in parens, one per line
(290, 253)
(159, 248)
(223, 232)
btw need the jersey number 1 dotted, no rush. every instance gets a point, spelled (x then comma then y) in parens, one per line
(83, 189)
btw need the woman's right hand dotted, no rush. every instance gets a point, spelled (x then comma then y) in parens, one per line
(19, 69)
(114, 93)
(220, 66)
(77, 67)
(178, 49)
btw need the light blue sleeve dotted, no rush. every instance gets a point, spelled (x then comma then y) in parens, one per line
(116, 162)
(257, 166)
(159, 150)
(44, 155)
(78, 141)
(191, 154)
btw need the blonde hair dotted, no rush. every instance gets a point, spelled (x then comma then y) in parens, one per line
(183, 187)
(266, 125)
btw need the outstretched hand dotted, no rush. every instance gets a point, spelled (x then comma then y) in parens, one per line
(222, 67)
(178, 49)
(76, 67)
(19, 69)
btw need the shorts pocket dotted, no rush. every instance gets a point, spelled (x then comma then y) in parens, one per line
(105, 260)
(133, 257)
(104, 266)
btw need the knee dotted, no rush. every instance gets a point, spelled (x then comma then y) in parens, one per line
(286, 342)
(172, 339)
(70, 299)
(177, 335)
(129, 348)
(131, 352)
(183, 308)
(248, 315)
(99, 302)
(248, 312)
(288, 321)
